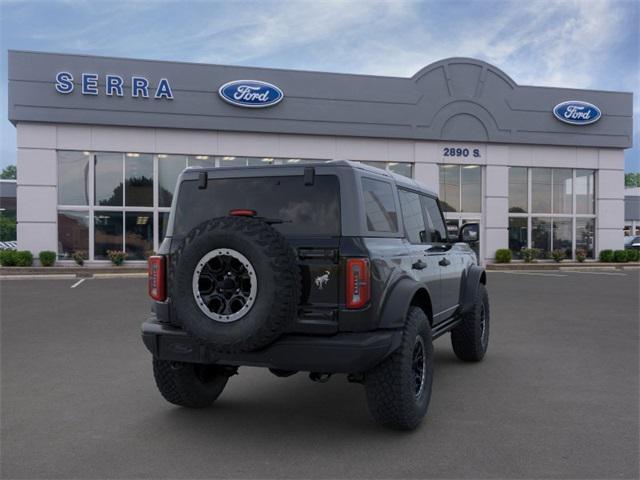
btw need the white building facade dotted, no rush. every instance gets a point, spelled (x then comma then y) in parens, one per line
(96, 171)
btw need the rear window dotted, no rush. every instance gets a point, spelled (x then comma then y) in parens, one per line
(305, 209)
(379, 206)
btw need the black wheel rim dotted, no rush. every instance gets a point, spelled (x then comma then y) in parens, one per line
(419, 366)
(224, 285)
(483, 324)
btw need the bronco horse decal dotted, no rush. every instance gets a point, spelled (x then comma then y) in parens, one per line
(322, 280)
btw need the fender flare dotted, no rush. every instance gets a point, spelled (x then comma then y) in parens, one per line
(474, 277)
(399, 299)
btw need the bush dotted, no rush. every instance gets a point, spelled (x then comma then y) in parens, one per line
(620, 256)
(581, 254)
(503, 255)
(80, 256)
(8, 258)
(606, 256)
(117, 257)
(529, 254)
(24, 258)
(558, 255)
(633, 255)
(47, 258)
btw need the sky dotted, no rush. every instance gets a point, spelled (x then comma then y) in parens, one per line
(561, 43)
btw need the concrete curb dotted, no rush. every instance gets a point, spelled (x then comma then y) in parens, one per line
(562, 266)
(80, 272)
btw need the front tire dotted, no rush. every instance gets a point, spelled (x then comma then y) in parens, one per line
(189, 385)
(399, 388)
(470, 339)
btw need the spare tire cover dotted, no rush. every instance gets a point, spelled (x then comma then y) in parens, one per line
(235, 283)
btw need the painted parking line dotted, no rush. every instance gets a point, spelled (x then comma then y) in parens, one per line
(537, 274)
(78, 283)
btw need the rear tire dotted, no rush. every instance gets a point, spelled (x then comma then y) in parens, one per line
(470, 339)
(189, 385)
(398, 392)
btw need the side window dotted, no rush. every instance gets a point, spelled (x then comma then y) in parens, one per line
(379, 206)
(437, 229)
(412, 216)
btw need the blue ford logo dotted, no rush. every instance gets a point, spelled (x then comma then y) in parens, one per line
(250, 93)
(576, 112)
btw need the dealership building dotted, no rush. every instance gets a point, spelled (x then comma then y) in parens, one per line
(102, 140)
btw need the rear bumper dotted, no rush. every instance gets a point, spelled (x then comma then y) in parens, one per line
(340, 353)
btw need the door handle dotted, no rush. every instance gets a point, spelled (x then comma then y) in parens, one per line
(419, 265)
(444, 262)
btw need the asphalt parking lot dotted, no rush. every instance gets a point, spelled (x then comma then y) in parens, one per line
(556, 397)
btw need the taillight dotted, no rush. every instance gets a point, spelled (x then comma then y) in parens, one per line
(358, 285)
(157, 278)
(242, 212)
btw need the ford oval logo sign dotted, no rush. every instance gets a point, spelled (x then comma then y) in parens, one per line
(250, 93)
(576, 112)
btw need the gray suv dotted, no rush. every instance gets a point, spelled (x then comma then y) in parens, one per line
(325, 268)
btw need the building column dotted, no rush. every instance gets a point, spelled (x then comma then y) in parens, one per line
(37, 188)
(495, 210)
(610, 200)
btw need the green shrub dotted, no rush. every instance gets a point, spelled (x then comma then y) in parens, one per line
(47, 258)
(558, 255)
(620, 256)
(606, 256)
(24, 258)
(633, 255)
(117, 257)
(80, 256)
(581, 254)
(503, 255)
(529, 254)
(8, 258)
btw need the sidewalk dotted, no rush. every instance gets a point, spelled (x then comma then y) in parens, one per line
(545, 265)
(74, 271)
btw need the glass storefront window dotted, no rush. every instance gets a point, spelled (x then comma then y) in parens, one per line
(107, 232)
(73, 233)
(108, 179)
(201, 161)
(518, 190)
(541, 235)
(163, 222)
(450, 188)
(169, 167)
(541, 190)
(585, 235)
(471, 188)
(562, 235)
(73, 178)
(138, 235)
(230, 161)
(562, 190)
(585, 191)
(138, 174)
(405, 169)
(517, 235)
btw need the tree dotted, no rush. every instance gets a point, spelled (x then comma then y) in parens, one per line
(632, 180)
(9, 172)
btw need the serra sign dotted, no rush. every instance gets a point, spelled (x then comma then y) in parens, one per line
(113, 85)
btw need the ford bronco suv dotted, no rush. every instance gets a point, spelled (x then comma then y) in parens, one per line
(325, 268)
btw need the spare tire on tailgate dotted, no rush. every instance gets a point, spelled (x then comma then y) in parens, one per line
(235, 283)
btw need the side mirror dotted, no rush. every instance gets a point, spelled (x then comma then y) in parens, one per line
(469, 233)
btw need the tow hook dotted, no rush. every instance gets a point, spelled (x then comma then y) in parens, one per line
(319, 377)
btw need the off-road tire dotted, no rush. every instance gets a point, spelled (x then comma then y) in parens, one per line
(390, 386)
(469, 339)
(278, 280)
(189, 384)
